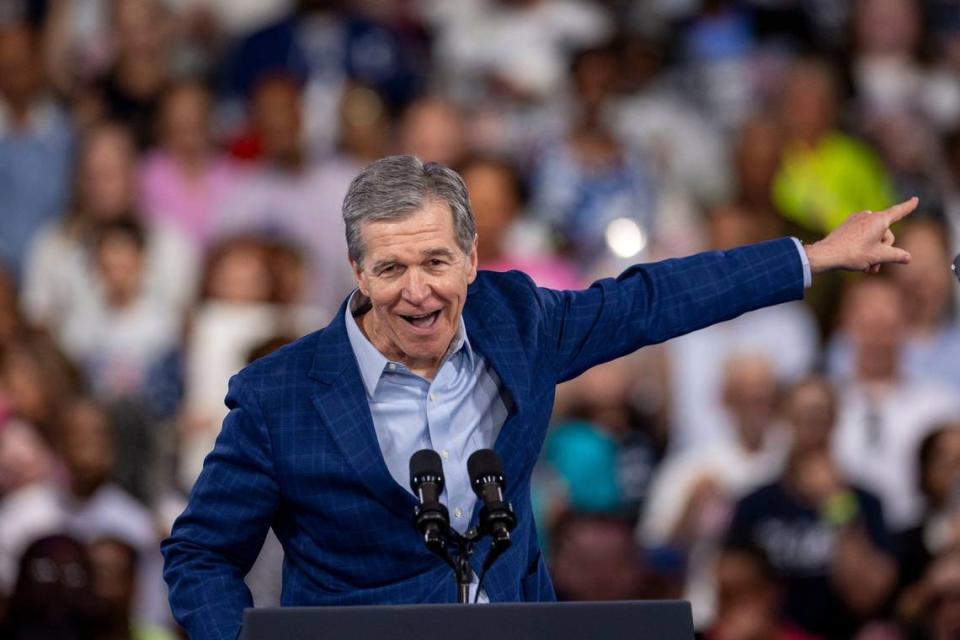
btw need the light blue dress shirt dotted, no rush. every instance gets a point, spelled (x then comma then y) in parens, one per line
(459, 412)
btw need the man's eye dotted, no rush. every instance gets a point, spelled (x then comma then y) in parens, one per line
(436, 262)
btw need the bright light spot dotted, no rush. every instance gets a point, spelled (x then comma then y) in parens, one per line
(625, 238)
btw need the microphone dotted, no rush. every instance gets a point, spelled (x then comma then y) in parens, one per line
(496, 515)
(431, 517)
(955, 267)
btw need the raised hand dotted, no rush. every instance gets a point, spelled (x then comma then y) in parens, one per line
(863, 242)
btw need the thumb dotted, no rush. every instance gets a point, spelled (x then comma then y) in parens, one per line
(896, 256)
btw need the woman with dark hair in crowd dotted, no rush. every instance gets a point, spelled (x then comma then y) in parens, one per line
(52, 598)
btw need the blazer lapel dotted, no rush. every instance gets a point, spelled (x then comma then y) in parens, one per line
(499, 342)
(341, 401)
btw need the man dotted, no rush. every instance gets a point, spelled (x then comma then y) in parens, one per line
(429, 353)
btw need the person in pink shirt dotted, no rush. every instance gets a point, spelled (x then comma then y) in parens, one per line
(184, 180)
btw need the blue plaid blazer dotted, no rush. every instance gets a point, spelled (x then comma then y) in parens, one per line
(298, 451)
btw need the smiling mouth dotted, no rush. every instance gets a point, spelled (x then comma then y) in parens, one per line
(423, 321)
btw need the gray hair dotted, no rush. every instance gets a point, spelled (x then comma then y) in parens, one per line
(396, 187)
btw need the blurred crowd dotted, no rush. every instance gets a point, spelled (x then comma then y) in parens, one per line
(171, 173)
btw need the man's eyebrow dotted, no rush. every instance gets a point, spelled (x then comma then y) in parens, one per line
(439, 252)
(380, 264)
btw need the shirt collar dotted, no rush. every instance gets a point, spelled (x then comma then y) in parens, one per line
(371, 362)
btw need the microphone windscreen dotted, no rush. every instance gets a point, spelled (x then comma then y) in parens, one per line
(483, 462)
(425, 462)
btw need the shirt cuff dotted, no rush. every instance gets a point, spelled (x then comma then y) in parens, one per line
(807, 275)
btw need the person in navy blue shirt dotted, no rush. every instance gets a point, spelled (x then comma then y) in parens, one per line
(826, 539)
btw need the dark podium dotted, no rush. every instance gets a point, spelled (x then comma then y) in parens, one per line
(635, 620)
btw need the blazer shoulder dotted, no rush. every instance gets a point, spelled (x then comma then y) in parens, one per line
(291, 359)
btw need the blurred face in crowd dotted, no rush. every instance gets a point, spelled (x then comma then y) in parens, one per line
(750, 396)
(22, 384)
(364, 125)
(495, 203)
(746, 598)
(21, 74)
(88, 450)
(114, 572)
(416, 276)
(874, 320)
(810, 412)
(595, 78)
(240, 273)
(432, 130)
(942, 470)
(734, 225)
(24, 456)
(278, 119)
(140, 27)
(887, 27)
(107, 174)
(757, 158)
(120, 267)
(808, 103)
(925, 284)
(185, 121)
(595, 559)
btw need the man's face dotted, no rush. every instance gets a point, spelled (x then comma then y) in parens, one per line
(416, 276)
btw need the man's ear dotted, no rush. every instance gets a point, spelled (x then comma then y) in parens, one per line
(358, 274)
(473, 261)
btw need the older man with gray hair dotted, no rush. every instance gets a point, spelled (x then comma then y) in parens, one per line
(429, 353)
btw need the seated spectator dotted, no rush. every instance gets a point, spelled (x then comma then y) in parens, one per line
(29, 505)
(132, 88)
(59, 279)
(95, 506)
(35, 145)
(120, 335)
(287, 198)
(53, 598)
(786, 334)
(184, 180)
(693, 492)
(931, 349)
(244, 300)
(587, 179)
(939, 530)
(594, 558)
(749, 598)
(505, 241)
(601, 454)
(825, 174)
(883, 414)
(114, 569)
(826, 539)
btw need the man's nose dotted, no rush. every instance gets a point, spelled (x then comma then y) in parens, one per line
(416, 288)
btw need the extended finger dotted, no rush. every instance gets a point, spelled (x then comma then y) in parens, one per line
(900, 211)
(895, 255)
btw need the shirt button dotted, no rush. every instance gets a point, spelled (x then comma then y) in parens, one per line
(445, 454)
(392, 367)
(432, 397)
(457, 512)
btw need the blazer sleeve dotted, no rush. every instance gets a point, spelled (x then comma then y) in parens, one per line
(215, 541)
(650, 303)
